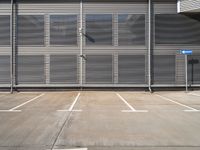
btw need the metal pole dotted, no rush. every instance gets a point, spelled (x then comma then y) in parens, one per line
(81, 42)
(186, 74)
(149, 46)
(12, 47)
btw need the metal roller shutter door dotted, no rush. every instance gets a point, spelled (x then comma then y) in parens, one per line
(131, 69)
(63, 69)
(30, 69)
(4, 69)
(99, 69)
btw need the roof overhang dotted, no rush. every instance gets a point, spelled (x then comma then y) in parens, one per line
(188, 6)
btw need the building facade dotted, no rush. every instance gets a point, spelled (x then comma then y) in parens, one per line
(97, 43)
(189, 6)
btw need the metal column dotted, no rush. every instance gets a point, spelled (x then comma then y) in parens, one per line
(149, 44)
(186, 73)
(12, 46)
(81, 42)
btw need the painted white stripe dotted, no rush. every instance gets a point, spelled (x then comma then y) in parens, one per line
(73, 149)
(128, 111)
(30, 92)
(194, 94)
(131, 107)
(72, 105)
(191, 109)
(10, 110)
(69, 110)
(76, 99)
(27, 102)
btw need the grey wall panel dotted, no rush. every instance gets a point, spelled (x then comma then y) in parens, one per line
(99, 69)
(180, 69)
(63, 69)
(177, 29)
(99, 29)
(115, 8)
(131, 29)
(63, 30)
(48, 7)
(5, 7)
(4, 69)
(30, 69)
(4, 30)
(194, 69)
(171, 36)
(163, 69)
(30, 30)
(131, 69)
(160, 8)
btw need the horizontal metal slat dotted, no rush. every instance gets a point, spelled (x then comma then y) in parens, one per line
(63, 69)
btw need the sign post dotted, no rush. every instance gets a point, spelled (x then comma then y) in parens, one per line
(186, 53)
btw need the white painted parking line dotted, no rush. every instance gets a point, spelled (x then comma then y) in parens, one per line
(190, 109)
(72, 149)
(14, 108)
(69, 110)
(10, 110)
(131, 107)
(194, 94)
(72, 105)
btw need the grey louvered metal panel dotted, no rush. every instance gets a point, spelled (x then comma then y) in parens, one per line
(98, 29)
(30, 69)
(99, 69)
(101, 7)
(4, 30)
(189, 6)
(180, 69)
(165, 8)
(4, 69)
(194, 69)
(131, 69)
(30, 30)
(63, 29)
(163, 69)
(177, 29)
(63, 69)
(131, 29)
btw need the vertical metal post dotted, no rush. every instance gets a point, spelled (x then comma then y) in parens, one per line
(12, 46)
(149, 45)
(186, 74)
(81, 42)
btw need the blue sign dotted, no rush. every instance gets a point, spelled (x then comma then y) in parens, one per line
(186, 52)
